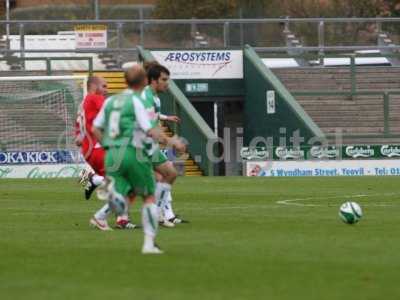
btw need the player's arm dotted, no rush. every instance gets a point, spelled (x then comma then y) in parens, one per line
(159, 135)
(155, 132)
(99, 124)
(78, 135)
(79, 127)
(98, 133)
(171, 118)
(163, 117)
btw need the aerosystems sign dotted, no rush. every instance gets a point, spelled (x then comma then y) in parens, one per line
(373, 167)
(202, 64)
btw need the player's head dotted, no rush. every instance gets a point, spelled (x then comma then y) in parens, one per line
(149, 64)
(135, 77)
(256, 170)
(97, 85)
(158, 77)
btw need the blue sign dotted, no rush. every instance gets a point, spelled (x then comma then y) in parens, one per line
(40, 157)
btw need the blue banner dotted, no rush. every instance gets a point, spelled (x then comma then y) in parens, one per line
(40, 157)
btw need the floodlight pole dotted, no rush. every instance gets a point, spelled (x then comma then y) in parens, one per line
(8, 19)
(96, 9)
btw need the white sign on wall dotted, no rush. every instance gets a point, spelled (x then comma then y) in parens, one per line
(202, 64)
(373, 167)
(90, 37)
(41, 171)
(270, 102)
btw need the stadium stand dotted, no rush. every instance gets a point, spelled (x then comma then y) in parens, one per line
(358, 114)
(3, 63)
(339, 79)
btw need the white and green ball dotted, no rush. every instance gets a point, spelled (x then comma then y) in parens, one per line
(350, 212)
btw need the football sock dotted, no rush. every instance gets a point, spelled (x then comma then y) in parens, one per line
(103, 212)
(167, 207)
(125, 215)
(162, 191)
(150, 223)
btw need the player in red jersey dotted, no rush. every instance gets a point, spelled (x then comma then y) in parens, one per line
(90, 147)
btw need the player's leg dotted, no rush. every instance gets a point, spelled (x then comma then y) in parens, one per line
(163, 221)
(115, 192)
(115, 182)
(168, 175)
(84, 175)
(124, 221)
(96, 161)
(150, 225)
(99, 220)
(169, 213)
(141, 176)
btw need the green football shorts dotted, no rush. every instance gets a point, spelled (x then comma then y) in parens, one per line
(158, 158)
(131, 170)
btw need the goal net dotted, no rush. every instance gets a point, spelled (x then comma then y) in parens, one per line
(38, 113)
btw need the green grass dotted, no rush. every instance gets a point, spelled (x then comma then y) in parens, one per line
(241, 243)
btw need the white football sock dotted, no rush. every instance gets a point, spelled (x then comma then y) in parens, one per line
(150, 223)
(162, 191)
(167, 207)
(125, 215)
(97, 179)
(103, 212)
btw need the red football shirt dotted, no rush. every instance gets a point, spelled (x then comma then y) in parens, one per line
(89, 109)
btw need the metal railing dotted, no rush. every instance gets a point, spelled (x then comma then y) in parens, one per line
(220, 32)
(49, 60)
(319, 61)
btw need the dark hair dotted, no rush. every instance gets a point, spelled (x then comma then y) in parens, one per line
(155, 70)
(149, 64)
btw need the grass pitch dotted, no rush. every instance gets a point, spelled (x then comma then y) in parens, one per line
(249, 238)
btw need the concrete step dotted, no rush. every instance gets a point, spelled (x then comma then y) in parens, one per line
(191, 168)
(193, 173)
(354, 130)
(356, 120)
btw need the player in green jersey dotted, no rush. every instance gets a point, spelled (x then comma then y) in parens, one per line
(124, 129)
(166, 173)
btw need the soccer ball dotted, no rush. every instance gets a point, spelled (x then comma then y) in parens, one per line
(350, 212)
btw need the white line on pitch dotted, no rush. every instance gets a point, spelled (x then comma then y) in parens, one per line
(293, 202)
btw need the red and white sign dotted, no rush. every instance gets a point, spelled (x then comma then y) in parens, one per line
(367, 167)
(90, 37)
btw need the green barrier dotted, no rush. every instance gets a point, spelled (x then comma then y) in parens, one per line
(192, 126)
(285, 111)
